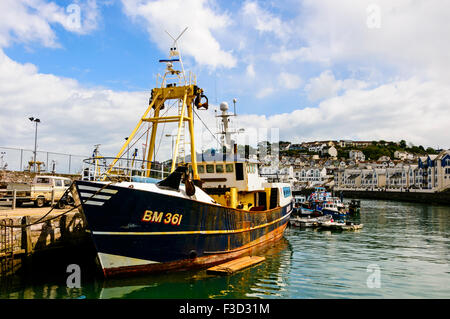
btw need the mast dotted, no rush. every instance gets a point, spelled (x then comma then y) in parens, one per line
(224, 128)
(175, 88)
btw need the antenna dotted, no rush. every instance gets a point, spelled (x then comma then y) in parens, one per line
(175, 40)
(174, 51)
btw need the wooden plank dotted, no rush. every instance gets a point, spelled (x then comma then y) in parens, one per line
(235, 265)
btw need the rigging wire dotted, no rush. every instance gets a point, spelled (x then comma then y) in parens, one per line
(206, 126)
(164, 126)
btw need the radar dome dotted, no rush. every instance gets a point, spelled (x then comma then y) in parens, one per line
(224, 106)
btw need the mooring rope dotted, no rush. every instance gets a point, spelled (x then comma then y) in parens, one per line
(40, 220)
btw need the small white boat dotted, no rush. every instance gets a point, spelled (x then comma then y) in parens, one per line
(330, 224)
(308, 221)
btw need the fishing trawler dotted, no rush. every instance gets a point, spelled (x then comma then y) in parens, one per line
(203, 213)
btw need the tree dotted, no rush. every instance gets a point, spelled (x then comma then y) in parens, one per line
(403, 144)
(343, 153)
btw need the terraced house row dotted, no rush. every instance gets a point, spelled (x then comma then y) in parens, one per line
(431, 172)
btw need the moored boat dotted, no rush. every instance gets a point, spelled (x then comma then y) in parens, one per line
(334, 207)
(202, 214)
(305, 222)
(354, 207)
(337, 225)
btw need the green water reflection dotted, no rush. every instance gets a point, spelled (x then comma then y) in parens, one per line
(408, 242)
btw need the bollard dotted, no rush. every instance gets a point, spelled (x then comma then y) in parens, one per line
(26, 236)
(14, 199)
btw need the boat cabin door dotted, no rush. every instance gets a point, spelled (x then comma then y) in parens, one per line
(239, 171)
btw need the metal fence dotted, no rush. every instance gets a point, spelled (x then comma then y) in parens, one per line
(19, 159)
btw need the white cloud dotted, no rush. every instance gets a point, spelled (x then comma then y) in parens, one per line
(303, 54)
(326, 86)
(30, 20)
(410, 39)
(250, 71)
(412, 110)
(284, 81)
(264, 21)
(264, 92)
(289, 81)
(74, 118)
(173, 16)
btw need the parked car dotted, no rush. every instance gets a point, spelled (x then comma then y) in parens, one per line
(42, 189)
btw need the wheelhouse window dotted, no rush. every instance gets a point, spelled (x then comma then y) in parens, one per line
(58, 183)
(219, 168)
(229, 168)
(286, 191)
(209, 168)
(201, 169)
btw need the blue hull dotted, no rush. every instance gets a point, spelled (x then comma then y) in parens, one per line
(141, 231)
(334, 214)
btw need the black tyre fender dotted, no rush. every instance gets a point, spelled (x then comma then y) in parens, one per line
(61, 204)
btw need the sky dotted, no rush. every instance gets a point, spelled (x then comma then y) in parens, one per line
(307, 69)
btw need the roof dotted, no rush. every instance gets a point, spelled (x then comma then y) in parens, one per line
(218, 157)
(51, 176)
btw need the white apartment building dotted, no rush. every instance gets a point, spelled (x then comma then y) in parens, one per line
(431, 173)
(403, 155)
(311, 175)
(284, 173)
(357, 155)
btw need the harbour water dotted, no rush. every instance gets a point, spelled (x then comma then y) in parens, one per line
(403, 251)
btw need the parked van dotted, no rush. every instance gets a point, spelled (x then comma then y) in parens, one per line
(42, 189)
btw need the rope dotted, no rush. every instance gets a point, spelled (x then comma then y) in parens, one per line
(206, 126)
(64, 213)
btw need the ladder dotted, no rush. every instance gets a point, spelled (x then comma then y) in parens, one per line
(6, 246)
(182, 143)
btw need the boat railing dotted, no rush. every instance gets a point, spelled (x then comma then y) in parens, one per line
(103, 168)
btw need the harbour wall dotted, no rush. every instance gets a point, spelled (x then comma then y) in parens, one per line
(437, 198)
(57, 232)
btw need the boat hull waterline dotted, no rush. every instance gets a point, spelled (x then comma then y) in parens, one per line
(138, 231)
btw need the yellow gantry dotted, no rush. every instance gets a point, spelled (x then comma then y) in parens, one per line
(187, 94)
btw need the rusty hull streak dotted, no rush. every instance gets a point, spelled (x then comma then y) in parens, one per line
(200, 262)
